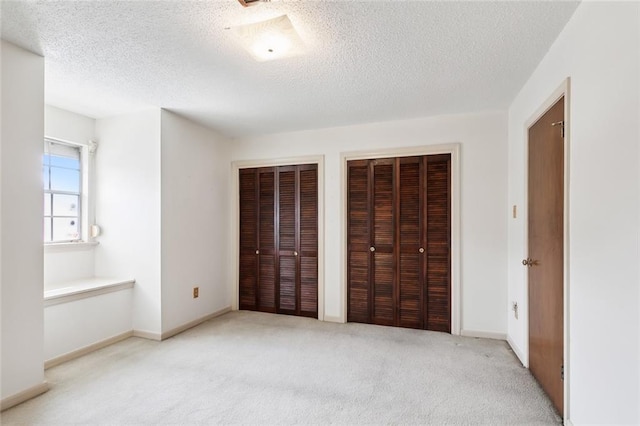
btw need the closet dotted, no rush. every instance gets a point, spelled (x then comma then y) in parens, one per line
(278, 264)
(399, 239)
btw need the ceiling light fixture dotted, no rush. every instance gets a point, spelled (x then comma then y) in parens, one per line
(247, 3)
(272, 39)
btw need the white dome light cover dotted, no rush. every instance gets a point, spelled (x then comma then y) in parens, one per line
(271, 39)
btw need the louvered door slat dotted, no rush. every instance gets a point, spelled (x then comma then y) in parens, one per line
(287, 210)
(287, 284)
(266, 243)
(308, 246)
(267, 209)
(400, 210)
(267, 284)
(358, 235)
(278, 257)
(309, 211)
(383, 263)
(287, 270)
(309, 286)
(410, 266)
(383, 191)
(438, 226)
(287, 215)
(248, 273)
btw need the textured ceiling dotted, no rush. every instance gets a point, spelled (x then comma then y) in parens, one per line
(366, 61)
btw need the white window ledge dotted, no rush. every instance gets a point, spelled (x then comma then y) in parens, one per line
(82, 289)
(79, 245)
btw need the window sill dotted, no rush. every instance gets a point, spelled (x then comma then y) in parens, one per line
(83, 289)
(78, 246)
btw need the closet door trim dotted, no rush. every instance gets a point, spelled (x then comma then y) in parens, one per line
(235, 222)
(454, 150)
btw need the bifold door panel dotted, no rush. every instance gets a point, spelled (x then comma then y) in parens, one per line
(399, 235)
(279, 239)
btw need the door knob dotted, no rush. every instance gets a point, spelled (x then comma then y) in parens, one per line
(372, 249)
(295, 253)
(528, 262)
(421, 250)
(257, 251)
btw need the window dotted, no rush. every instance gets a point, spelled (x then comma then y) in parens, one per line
(62, 177)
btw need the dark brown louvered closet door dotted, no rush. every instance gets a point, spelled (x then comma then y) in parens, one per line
(287, 237)
(411, 262)
(382, 248)
(398, 231)
(266, 240)
(278, 266)
(248, 261)
(308, 240)
(438, 243)
(358, 239)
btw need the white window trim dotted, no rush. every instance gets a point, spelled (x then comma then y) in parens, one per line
(87, 207)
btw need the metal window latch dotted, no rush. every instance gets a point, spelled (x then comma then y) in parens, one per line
(561, 124)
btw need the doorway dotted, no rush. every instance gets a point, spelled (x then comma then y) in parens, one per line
(399, 241)
(278, 244)
(545, 260)
(305, 166)
(454, 199)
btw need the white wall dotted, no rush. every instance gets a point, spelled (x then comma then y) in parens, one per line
(21, 226)
(483, 198)
(64, 265)
(67, 264)
(71, 326)
(128, 209)
(79, 323)
(195, 217)
(599, 49)
(68, 126)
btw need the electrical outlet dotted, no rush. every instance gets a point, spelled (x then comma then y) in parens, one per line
(196, 292)
(514, 308)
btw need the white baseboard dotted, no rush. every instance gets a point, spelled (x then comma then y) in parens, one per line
(329, 318)
(483, 334)
(191, 324)
(516, 350)
(23, 396)
(87, 349)
(147, 335)
(568, 422)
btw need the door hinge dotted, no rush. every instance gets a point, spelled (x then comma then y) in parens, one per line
(561, 124)
(562, 372)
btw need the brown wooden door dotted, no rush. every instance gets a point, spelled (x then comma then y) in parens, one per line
(546, 252)
(383, 268)
(308, 240)
(266, 240)
(287, 240)
(438, 242)
(278, 264)
(398, 232)
(411, 235)
(358, 242)
(248, 260)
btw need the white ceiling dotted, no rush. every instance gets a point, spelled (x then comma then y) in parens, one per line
(367, 60)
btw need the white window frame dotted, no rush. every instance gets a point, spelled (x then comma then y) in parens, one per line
(86, 208)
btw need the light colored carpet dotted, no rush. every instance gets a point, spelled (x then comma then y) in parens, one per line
(254, 368)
